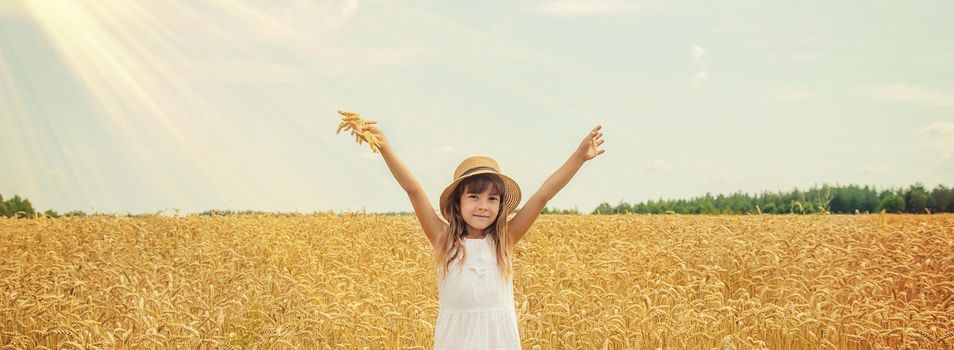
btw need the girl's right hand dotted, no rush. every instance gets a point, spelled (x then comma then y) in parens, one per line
(382, 141)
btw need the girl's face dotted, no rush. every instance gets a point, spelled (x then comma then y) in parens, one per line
(479, 210)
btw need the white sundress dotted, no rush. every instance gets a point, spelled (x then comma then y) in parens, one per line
(476, 305)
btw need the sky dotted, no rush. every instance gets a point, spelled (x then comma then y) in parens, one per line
(144, 106)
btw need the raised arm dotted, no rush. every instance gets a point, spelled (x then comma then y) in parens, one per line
(431, 224)
(520, 224)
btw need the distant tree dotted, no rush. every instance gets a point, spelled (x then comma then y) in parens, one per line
(603, 208)
(741, 203)
(769, 208)
(849, 199)
(916, 199)
(707, 204)
(623, 208)
(574, 211)
(4, 208)
(852, 199)
(19, 207)
(942, 199)
(838, 203)
(893, 203)
(796, 207)
(869, 201)
(823, 199)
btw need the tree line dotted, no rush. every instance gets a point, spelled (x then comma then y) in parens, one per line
(850, 199)
(16, 206)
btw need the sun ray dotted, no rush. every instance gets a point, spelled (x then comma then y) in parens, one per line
(108, 73)
(138, 64)
(18, 134)
(103, 44)
(33, 162)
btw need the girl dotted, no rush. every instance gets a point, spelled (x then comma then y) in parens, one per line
(474, 239)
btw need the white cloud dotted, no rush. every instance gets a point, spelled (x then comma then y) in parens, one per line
(877, 169)
(908, 93)
(657, 165)
(445, 149)
(699, 55)
(298, 15)
(584, 7)
(939, 138)
(297, 40)
(348, 9)
(341, 61)
(795, 96)
(943, 129)
(699, 79)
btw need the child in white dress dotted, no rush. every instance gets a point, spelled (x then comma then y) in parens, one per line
(473, 242)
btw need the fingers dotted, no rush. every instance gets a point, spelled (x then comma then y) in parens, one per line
(370, 128)
(596, 137)
(363, 130)
(596, 131)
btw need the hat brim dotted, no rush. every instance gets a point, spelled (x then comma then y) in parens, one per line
(512, 194)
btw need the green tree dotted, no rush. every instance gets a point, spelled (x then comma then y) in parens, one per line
(892, 202)
(942, 199)
(707, 204)
(869, 200)
(603, 208)
(4, 208)
(623, 208)
(824, 200)
(19, 207)
(916, 198)
(847, 199)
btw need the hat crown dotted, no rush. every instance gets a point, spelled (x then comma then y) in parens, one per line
(473, 164)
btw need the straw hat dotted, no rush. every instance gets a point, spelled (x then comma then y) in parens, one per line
(482, 165)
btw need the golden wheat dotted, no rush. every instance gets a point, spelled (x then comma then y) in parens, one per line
(353, 122)
(365, 281)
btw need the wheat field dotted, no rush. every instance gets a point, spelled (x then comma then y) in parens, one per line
(329, 281)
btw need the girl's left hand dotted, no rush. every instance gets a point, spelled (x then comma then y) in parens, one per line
(588, 148)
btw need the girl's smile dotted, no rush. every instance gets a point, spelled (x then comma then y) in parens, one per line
(479, 210)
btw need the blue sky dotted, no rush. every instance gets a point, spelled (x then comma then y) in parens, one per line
(143, 106)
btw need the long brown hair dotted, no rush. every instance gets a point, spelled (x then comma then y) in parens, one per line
(452, 245)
